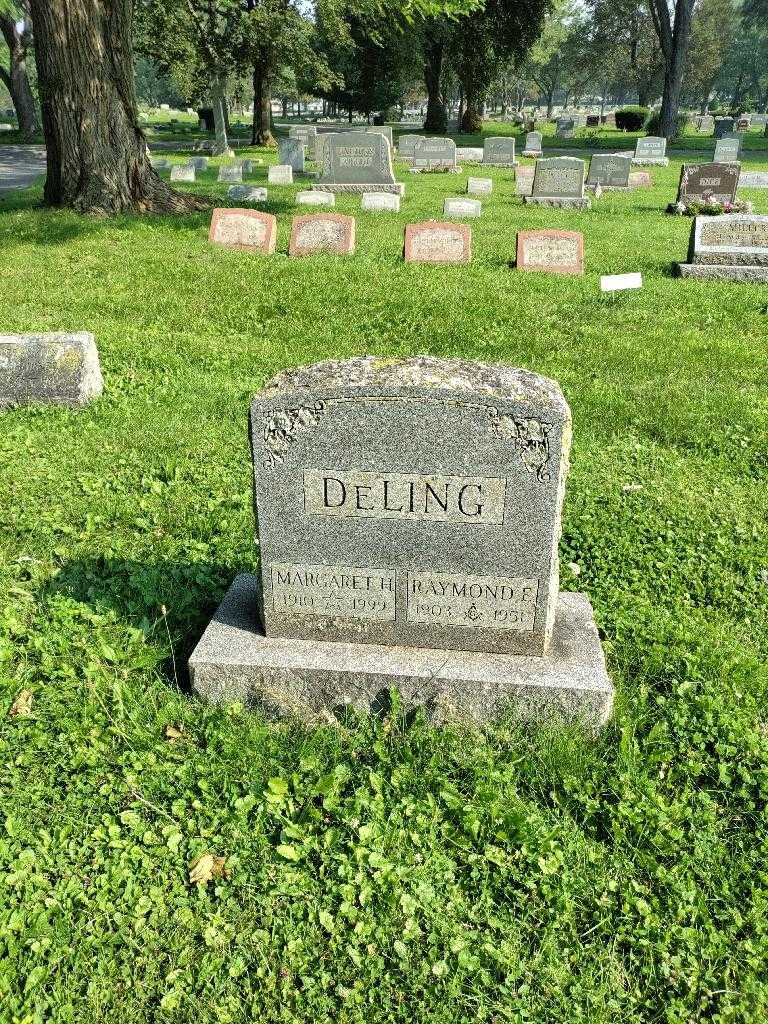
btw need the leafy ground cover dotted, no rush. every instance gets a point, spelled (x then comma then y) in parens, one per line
(384, 871)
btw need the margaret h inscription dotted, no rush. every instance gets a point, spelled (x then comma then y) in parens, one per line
(410, 502)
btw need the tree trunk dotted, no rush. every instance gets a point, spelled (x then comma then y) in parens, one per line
(434, 51)
(97, 157)
(261, 133)
(472, 121)
(219, 104)
(674, 32)
(18, 38)
(460, 111)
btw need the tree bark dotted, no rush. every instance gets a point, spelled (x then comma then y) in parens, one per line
(434, 53)
(97, 157)
(219, 104)
(18, 38)
(261, 134)
(673, 29)
(472, 120)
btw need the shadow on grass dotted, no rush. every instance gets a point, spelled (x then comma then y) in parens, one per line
(170, 601)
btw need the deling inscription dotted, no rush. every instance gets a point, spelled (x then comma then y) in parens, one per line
(338, 591)
(442, 499)
(444, 599)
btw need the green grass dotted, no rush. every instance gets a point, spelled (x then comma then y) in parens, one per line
(385, 871)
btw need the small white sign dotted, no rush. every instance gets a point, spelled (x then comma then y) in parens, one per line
(618, 282)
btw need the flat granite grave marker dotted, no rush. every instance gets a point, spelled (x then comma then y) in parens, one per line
(182, 173)
(462, 208)
(247, 193)
(437, 241)
(291, 152)
(708, 183)
(559, 181)
(479, 186)
(533, 144)
(231, 172)
(244, 229)
(499, 151)
(651, 152)
(380, 201)
(728, 247)
(434, 155)
(727, 150)
(408, 515)
(322, 233)
(357, 162)
(280, 174)
(57, 368)
(315, 199)
(555, 252)
(609, 171)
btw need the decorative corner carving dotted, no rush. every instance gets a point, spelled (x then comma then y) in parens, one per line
(530, 439)
(280, 431)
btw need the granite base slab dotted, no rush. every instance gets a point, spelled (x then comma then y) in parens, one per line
(560, 202)
(722, 272)
(651, 161)
(349, 189)
(310, 680)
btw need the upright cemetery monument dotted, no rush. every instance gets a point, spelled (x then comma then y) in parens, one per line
(651, 152)
(533, 142)
(408, 515)
(357, 162)
(708, 183)
(728, 247)
(609, 171)
(499, 151)
(559, 181)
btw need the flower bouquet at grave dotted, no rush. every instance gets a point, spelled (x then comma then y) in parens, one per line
(711, 209)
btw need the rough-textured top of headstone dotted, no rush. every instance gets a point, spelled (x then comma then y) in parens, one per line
(410, 502)
(428, 372)
(356, 158)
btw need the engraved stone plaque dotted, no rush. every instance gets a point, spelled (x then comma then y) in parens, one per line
(231, 172)
(609, 170)
(736, 239)
(533, 142)
(499, 150)
(244, 229)
(559, 177)
(356, 158)
(708, 183)
(434, 154)
(410, 502)
(650, 148)
(436, 241)
(322, 232)
(560, 252)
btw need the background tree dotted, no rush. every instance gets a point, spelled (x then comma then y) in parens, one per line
(97, 159)
(672, 21)
(484, 41)
(627, 30)
(713, 34)
(16, 30)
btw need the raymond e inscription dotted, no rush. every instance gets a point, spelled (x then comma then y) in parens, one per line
(339, 591)
(441, 499)
(487, 602)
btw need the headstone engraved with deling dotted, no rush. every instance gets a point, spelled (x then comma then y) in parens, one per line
(437, 241)
(555, 252)
(499, 151)
(322, 233)
(559, 181)
(434, 155)
(651, 151)
(356, 162)
(727, 150)
(244, 229)
(533, 144)
(708, 183)
(56, 368)
(728, 247)
(408, 515)
(291, 152)
(609, 171)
